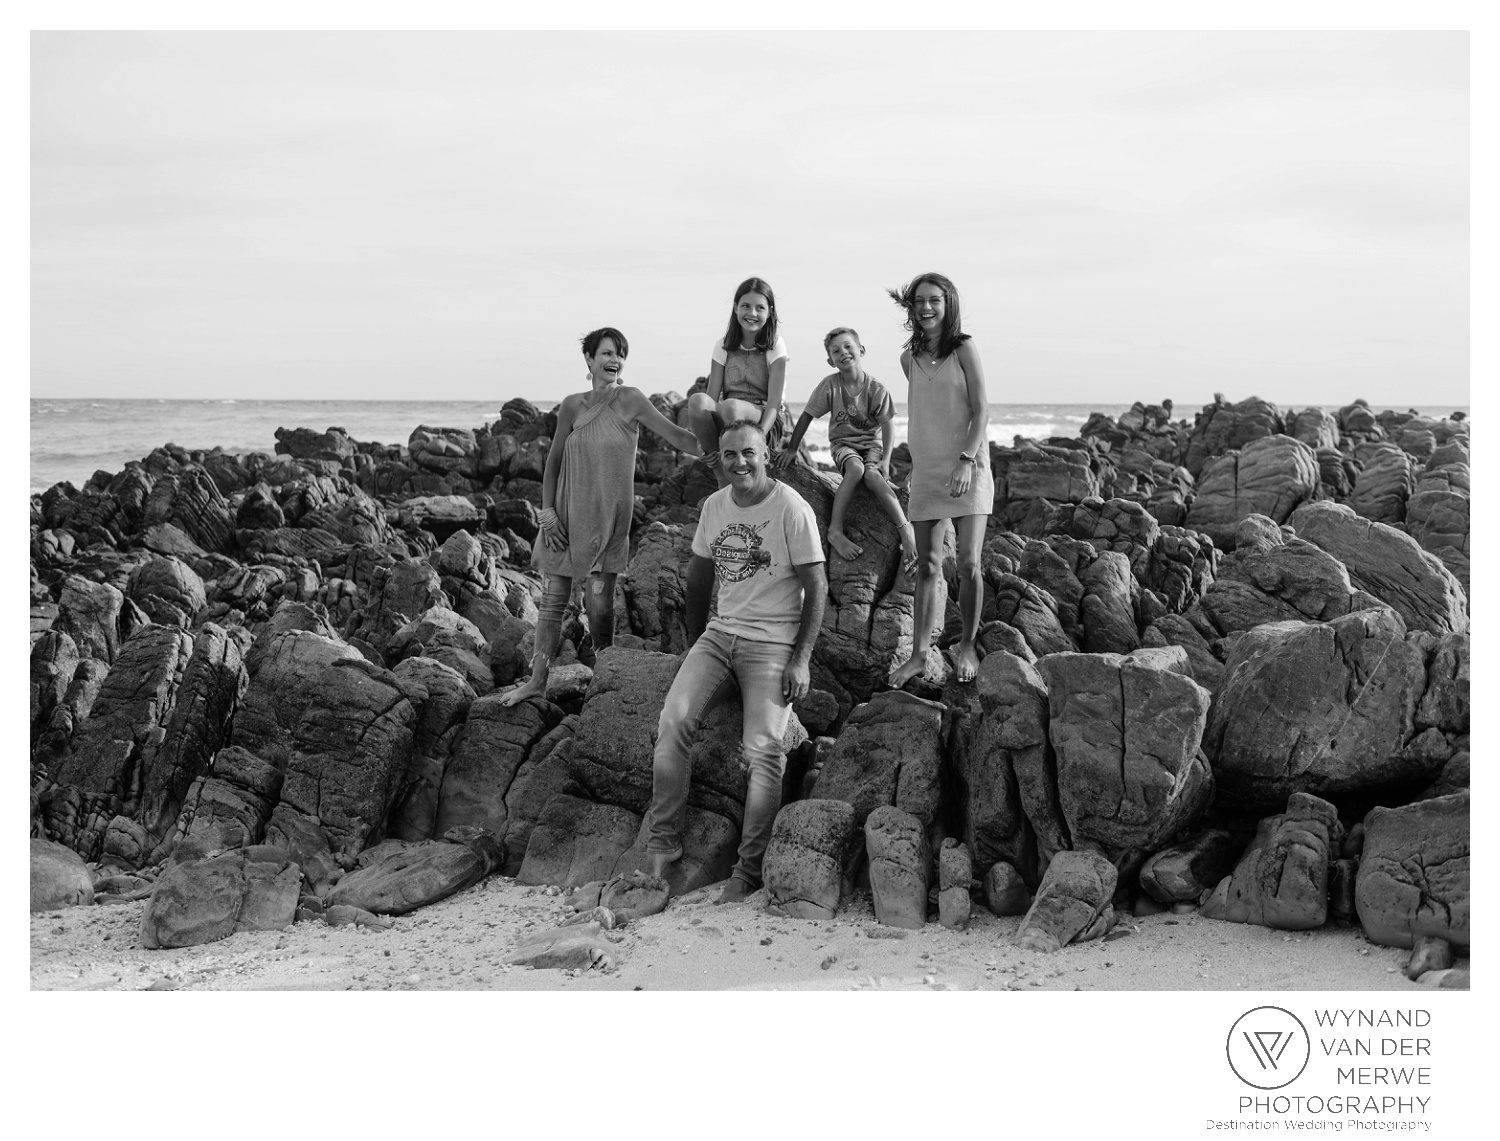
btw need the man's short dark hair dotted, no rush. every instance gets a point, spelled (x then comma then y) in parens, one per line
(753, 425)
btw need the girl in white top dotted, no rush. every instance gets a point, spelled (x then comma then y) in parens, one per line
(746, 375)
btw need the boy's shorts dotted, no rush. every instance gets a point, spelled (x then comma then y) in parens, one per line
(867, 454)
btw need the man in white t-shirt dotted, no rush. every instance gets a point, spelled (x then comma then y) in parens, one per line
(760, 538)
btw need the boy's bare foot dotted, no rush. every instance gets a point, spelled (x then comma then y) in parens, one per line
(915, 666)
(967, 667)
(529, 688)
(841, 543)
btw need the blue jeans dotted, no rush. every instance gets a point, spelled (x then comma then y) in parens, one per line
(717, 662)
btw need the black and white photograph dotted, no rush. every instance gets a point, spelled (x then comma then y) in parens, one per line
(840, 509)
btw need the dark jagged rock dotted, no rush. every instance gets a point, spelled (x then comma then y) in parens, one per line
(168, 590)
(1414, 874)
(1271, 578)
(230, 807)
(900, 866)
(890, 753)
(955, 877)
(1072, 902)
(444, 699)
(1004, 786)
(486, 754)
(285, 671)
(403, 877)
(1388, 564)
(59, 877)
(1384, 482)
(1326, 708)
(1271, 476)
(1175, 630)
(305, 444)
(54, 658)
(1005, 890)
(194, 732)
(576, 841)
(202, 901)
(1221, 427)
(124, 727)
(1187, 869)
(189, 499)
(812, 844)
(1281, 881)
(1126, 732)
(349, 751)
(398, 594)
(89, 613)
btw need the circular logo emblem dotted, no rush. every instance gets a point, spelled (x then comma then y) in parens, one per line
(1268, 1047)
(738, 552)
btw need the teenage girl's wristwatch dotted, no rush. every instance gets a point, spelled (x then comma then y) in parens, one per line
(965, 458)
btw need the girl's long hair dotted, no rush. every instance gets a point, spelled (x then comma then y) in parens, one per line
(766, 337)
(951, 335)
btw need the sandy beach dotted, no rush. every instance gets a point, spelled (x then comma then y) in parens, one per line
(462, 943)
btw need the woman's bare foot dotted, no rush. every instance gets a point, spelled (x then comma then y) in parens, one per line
(967, 661)
(529, 688)
(841, 543)
(915, 666)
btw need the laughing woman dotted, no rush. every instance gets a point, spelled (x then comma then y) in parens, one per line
(950, 464)
(588, 495)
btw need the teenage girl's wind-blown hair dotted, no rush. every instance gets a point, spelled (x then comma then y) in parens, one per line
(592, 341)
(951, 335)
(766, 337)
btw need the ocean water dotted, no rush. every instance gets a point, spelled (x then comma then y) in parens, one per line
(72, 439)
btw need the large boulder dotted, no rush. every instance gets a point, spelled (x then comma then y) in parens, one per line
(1184, 871)
(59, 877)
(486, 753)
(1281, 880)
(168, 590)
(1222, 427)
(1326, 708)
(1003, 791)
(230, 807)
(889, 753)
(349, 752)
(900, 866)
(89, 613)
(203, 900)
(1413, 877)
(1270, 477)
(1271, 578)
(1072, 903)
(402, 877)
(813, 842)
(1383, 484)
(1389, 564)
(1126, 731)
(285, 671)
(444, 699)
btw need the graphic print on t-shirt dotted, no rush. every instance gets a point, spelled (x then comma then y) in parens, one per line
(738, 551)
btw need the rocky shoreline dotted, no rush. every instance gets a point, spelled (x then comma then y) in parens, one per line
(1226, 677)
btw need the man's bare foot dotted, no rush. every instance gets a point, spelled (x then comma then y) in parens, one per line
(657, 863)
(915, 666)
(529, 688)
(841, 543)
(736, 891)
(967, 661)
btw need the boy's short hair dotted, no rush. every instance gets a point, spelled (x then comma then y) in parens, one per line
(591, 341)
(842, 329)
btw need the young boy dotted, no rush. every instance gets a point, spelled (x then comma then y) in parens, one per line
(859, 405)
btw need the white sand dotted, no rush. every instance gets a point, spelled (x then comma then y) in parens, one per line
(462, 942)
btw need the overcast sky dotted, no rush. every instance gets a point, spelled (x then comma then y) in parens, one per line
(442, 215)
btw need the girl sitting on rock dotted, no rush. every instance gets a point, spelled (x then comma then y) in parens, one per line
(746, 374)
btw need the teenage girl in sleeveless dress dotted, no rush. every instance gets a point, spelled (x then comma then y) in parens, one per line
(588, 496)
(746, 374)
(947, 418)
